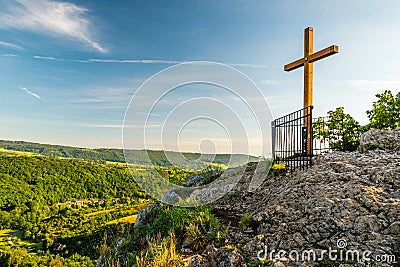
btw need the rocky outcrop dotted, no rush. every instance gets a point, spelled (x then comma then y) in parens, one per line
(347, 200)
(380, 139)
(217, 257)
(195, 180)
(143, 212)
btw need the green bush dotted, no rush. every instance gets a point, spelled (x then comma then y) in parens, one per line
(195, 237)
(278, 169)
(161, 252)
(211, 174)
(385, 113)
(339, 129)
(165, 219)
(246, 220)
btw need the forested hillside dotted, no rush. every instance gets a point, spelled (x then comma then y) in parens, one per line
(157, 158)
(66, 211)
(47, 204)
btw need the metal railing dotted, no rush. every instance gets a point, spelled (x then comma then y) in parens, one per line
(292, 139)
(328, 135)
(297, 137)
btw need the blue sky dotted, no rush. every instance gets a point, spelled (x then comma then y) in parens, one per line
(69, 69)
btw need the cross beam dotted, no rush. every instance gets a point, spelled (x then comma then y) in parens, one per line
(307, 62)
(333, 49)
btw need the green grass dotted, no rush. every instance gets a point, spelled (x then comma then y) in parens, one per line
(114, 163)
(4, 237)
(95, 213)
(127, 219)
(246, 220)
(218, 165)
(17, 240)
(6, 233)
(17, 153)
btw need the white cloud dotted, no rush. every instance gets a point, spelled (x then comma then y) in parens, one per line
(32, 93)
(9, 55)
(149, 114)
(247, 65)
(375, 85)
(10, 45)
(121, 126)
(61, 18)
(268, 82)
(139, 61)
(144, 61)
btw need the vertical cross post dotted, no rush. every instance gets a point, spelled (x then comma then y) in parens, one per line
(308, 66)
(308, 84)
(307, 63)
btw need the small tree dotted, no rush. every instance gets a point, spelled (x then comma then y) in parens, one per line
(340, 130)
(385, 113)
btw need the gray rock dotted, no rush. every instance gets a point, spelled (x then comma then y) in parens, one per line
(354, 196)
(195, 180)
(170, 197)
(229, 258)
(393, 229)
(197, 261)
(141, 214)
(367, 224)
(380, 139)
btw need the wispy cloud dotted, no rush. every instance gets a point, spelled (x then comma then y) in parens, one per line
(375, 85)
(139, 61)
(10, 45)
(101, 98)
(121, 126)
(9, 55)
(149, 114)
(247, 65)
(32, 93)
(61, 59)
(61, 18)
(268, 82)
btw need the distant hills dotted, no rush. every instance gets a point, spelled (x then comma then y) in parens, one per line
(139, 157)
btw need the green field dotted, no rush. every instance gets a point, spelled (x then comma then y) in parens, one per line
(127, 219)
(14, 238)
(17, 153)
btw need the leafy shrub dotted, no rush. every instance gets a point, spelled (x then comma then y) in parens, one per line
(385, 113)
(340, 130)
(161, 252)
(165, 219)
(246, 220)
(211, 174)
(195, 237)
(278, 168)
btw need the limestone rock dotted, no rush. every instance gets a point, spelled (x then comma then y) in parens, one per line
(351, 199)
(170, 197)
(197, 261)
(195, 180)
(380, 139)
(229, 258)
(143, 212)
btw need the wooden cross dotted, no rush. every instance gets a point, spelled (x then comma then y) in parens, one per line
(307, 61)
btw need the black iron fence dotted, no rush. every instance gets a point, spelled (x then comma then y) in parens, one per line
(328, 135)
(292, 139)
(297, 137)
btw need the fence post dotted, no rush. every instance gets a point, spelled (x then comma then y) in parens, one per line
(273, 133)
(311, 135)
